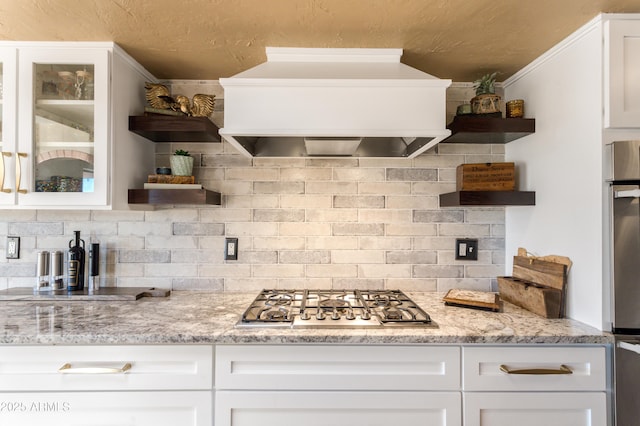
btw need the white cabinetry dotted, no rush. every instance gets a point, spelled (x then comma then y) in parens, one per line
(339, 385)
(551, 386)
(622, 67)
(68, 145)
(404, 384)
(99, 385)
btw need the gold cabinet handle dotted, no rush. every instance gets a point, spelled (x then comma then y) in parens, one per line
(68, 369)
(2, 171)
(537, 371)
(19, 173)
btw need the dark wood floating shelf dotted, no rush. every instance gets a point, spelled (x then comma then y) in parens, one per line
(488, 198)
(174, 196)
(481, 129)
(168, 128)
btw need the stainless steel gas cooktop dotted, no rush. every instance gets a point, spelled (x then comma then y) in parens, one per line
(334, 309)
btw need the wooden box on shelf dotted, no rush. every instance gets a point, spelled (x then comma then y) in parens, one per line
(486, 177)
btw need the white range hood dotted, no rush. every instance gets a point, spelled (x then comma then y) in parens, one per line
(334, 103)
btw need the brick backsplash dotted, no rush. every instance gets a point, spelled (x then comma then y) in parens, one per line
(308, 223)
(300, 223)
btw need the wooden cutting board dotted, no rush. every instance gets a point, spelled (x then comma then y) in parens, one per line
(104, 293)
(472, 299)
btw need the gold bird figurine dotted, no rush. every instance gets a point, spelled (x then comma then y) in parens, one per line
(156, 95)
(200, 106)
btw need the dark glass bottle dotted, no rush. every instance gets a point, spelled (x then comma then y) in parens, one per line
(75, 264)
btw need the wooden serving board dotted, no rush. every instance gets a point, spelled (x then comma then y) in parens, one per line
(104, 293)
(536, 285)
(472, 299)
(544, 301)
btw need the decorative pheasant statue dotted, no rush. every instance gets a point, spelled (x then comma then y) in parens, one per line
(158, 96)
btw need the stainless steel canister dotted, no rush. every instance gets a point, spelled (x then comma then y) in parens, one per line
(42, 272)
(57, 270)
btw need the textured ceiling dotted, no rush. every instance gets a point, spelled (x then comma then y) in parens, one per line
(209, 39)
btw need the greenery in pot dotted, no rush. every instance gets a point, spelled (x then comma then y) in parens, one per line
(485, 84)
(181, 163)
(485, 101)
(182, 152)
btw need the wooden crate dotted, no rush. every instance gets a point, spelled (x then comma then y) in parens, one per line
(170, 179)
(486, 177)
(536, 285)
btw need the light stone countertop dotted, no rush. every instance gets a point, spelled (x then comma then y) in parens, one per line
(190, 317)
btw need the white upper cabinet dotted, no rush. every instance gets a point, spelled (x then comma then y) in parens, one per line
(66, 135)
(622, 68)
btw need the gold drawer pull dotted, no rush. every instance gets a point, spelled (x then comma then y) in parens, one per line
(68, 369)
(537, 371)
(2, 172)
(19, 173)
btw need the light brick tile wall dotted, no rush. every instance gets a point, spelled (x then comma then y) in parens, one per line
(332, 271)
(278, 243)
(310, 223)
(328, 243)
(306, 201)
(387, 188)
(384, 243)
(278, 271)
(332, 215)
(384, 271)
(357, 256)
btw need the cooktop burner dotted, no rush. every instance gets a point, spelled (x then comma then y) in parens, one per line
(335, 309)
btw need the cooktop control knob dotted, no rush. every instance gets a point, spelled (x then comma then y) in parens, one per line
(366, 315)
(350, 315)
(304, 315)
(335, 315)
(320, 315)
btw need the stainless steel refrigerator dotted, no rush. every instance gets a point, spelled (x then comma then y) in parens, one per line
(625, 266)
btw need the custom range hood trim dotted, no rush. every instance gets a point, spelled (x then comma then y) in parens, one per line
(397, 111)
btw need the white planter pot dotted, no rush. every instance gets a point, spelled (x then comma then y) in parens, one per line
(181, 165)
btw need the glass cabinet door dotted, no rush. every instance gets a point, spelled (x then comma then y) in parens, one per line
(63, 130)
(63, 155)
(8, 86)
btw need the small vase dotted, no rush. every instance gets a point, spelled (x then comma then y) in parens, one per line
(181, 165)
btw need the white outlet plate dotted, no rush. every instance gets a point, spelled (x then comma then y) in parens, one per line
(231, 249)
(13, 248)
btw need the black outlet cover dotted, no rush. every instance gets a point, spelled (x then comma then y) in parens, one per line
(466, 249)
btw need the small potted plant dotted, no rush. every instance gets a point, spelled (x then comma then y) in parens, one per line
(486, 101)
(181, 163)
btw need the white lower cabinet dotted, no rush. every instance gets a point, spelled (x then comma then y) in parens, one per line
(533, 386)
(535, 409)
(337, 408)
(337, 385)
(470, 385)
(106, 385)
(184, 408)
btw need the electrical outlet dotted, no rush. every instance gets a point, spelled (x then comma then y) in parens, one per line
(466, 249)
(231, 249)
(13, 248)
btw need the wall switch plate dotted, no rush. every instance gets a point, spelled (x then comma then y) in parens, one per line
(466, 249)
(13, 248)
(231, 249)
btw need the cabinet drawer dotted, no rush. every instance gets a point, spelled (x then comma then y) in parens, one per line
(586, 365)
(24, 368)
(535, 409)
(289, 367)
(183, 408)
(250, 408)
